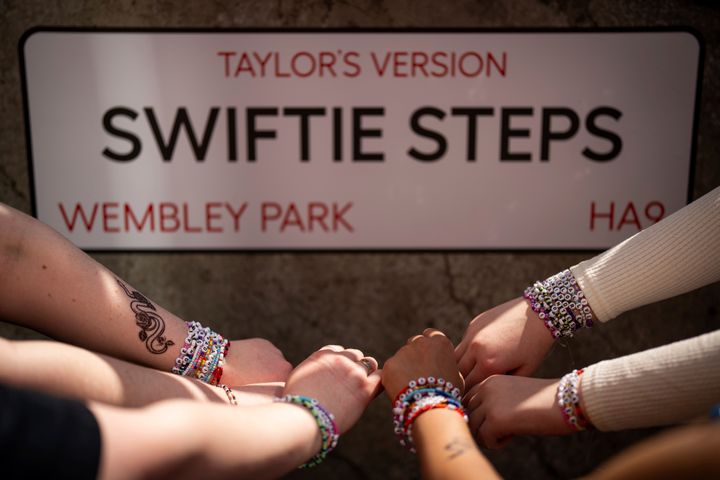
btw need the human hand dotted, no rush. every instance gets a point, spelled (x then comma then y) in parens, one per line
(503, 406)
(507, 339)
(336, 378)
(254, 360)
(429, 354)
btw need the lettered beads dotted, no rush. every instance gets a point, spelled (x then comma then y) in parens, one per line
(325, 422)
(418, 397)
(561, 304)
(202, 355)
(568, 399)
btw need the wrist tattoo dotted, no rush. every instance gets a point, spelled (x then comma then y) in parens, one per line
(456, 447)
(152, 325)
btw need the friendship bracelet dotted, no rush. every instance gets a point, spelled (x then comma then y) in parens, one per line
(325, 421)
(229, 393)
(561, 304)
(202, 355)
(418, 397)
(408, 441)
(568, 399)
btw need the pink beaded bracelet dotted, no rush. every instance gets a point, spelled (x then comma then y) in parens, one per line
(568, 400)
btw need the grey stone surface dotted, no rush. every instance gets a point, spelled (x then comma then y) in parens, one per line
(374, 301)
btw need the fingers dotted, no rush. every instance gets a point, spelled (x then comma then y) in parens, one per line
(466, 363)
(333, 348)
(413, 338)
(476, 419)
(353, 354)
(461, 349)
(370, 364)
(433, 332)
(470, 395)
(476, 375)
(375, 383)
(427, 333)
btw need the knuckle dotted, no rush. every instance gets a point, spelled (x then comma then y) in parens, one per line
(284, 366)
(486, 362)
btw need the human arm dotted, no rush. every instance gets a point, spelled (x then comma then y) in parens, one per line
(264, 441)
(51, 286)
(73, 372)
(678, 254)
(256, 442)
(183, 438)
(442, 439)
(661, 386)
(684, 452)
(446, 448)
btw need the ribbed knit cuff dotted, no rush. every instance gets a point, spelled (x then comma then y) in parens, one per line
(661, 386)
(678, 254)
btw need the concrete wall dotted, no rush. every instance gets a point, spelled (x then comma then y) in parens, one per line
(375, 301)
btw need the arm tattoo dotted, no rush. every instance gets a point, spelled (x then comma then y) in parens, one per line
(456, 447)
(152, 325)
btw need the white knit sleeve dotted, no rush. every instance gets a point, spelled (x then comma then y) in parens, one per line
(661, 386)
(678, 254)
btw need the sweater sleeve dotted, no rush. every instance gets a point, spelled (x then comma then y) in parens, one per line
(661, 386)
(678, 254)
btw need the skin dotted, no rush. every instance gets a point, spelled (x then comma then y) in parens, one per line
(503, 406)
(260, 441)
(685, 452)
(507, 339)
(444, 443)
(68, 371)
(51, 286)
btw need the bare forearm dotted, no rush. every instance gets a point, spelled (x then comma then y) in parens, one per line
(69, 371)
(51, 286)
(446, 448)
(253, 442)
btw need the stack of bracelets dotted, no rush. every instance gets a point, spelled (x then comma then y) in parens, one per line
(568, 399)
(561, 304)
(418, 397)
(325, 422)
(203, 354)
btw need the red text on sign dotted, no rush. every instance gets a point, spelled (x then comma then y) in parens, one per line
(618, 216)
(316, 216)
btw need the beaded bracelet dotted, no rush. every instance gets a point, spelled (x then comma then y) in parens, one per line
(325, 421)
(568, 399)
(561, 304)
(202, 356)
(418, 397)
(229, 393)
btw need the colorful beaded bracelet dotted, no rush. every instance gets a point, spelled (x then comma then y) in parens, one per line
(561, 304)
(202, 356)
(325, 421)
(418, 397)
(568, 400)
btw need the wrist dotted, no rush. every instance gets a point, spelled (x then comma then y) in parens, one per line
(561, 304)
(568, 399)
(437, 425)
(420, 397)
(202, 355)
(325, 426)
